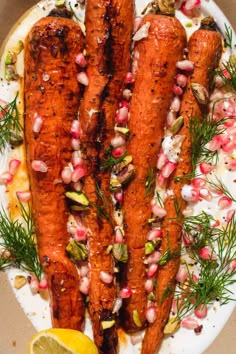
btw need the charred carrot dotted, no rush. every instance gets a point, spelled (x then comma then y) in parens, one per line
(204, 50)
(51, 97)
(154, 67)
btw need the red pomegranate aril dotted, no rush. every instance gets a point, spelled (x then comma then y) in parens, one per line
(154, 234)
(151, 314)
(177, 90)
(119, 151)
(129, 78)
(124, 104)
(43, 284)
(161, 160)
(198, 182)
(171, 117)
(84, 285)
(230, 214)
(75, 129)
(189, 323)
(206, 168)
(119, 196)
(185, 65)
(149, 285)
(80, 233)
(182, 274)
(80, 60)
(75, 144)
(106, 277)
(117, 305)
(6, 178)
(232, 265)
(78, 173)
(207, 254)
(153, 257)
(66, 175)
(205, 194)
(175, 105)
(77, 159)
(161, 180)
(168, 169)
(229, 147)
(201, 311)
(122, 115)
(14, 164)
(158, 211)
(82, 77)
(23, 196)
(188, 239)
(125, 292)
(118, 141)
(152, 269)
(230, 163)
(119, 237)
(181, 80)
(84, 270)
(37, 124)
(39, 166)
(34, 285)
(225, 202)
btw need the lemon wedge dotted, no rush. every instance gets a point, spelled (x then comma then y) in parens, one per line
(61, 341)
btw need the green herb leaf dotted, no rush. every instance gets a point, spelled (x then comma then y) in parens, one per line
(150, 182)
(228, 40)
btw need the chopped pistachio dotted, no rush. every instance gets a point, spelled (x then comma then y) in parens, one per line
(19, 281)
(177, 125)
(60, 3)
(126, 161)
(120, 252)
(121, 130)
(109, 249)
(149, 247)
(11, 58)
(151, 297)
(128, 175)
(77, 207)
(78, 197)
(200, 93)
(77, 251)
(16, 139)
(172, 325)
(136, 319)
(108, 324)
(10, 72)
(114, 184)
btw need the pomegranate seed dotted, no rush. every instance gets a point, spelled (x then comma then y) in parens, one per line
(77, 186)
(201, 311)
(187, 238)
(181, 80)
(186, 65)
(3, 105)
(43, 284)
(75, 144)
(118, 141)
(198, 182)
(232, 265)
(117, 305)
(216, 142)
(190, 194)
(230, 163)
(75, 129)
(84, 270)
(207, 253)
(23, 196)
(168, 169)
(161, 160)
(122, 115)
(119, 196)
(80, 60)
(66, 175)
(78, 173)
(118, 152)
(129, 78)
(226, 74)
(204, 193)
(37, 124)
(214, 223)
(175, 105)
(206, 168)
(124, 104)
(152, 269)
(171, 117)
(6, 178)
(155, 234)
(149, 285)
(177, 90)
(151, 314)
(230, 215)
(106, 277)
(125, 292)
(229, 147)
(136, 338)
(13, 166)
(77, 159)
(84, 285)
(127, 94)
(158, 211)
(80, 233)
(39, 166)
(153, 257)
(82, 77)
(34, 285)
(225, 202)
(137, 23)
(189, 323)
(182, 274)
(161, 180)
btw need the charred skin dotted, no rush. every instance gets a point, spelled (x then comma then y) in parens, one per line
(52, 92)
(155, 72)
(204, 50)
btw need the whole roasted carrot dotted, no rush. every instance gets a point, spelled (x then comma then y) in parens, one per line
(51, 104)
(154, 66)
(204, 50)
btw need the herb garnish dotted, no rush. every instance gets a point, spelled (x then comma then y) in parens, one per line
(17, 240)
(109, 162)
(228, 40)
(9, 123)
(219, 186)
(215, 275)
(228, 74)
(103, 205)
(150, 182)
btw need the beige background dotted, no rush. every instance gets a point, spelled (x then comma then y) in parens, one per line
(15, 330)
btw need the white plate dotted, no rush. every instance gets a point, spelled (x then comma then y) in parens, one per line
(184, 341)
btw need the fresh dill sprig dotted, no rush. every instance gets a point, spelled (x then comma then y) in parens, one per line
(216, 276)
(228, 38)
(103, 205)
(201, 133)
(219, 186)
(228, 74)
(17, 240)
(150, 182)
(159, 198)
(109, 162)
(9, 123)
(170, 253)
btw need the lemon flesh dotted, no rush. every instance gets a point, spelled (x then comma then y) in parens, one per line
(61, 341)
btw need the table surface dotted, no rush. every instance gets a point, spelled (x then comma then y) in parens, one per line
(10, 340)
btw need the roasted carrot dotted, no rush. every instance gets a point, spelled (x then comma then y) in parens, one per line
(52, 96)
(204, 50)
(155, 68)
